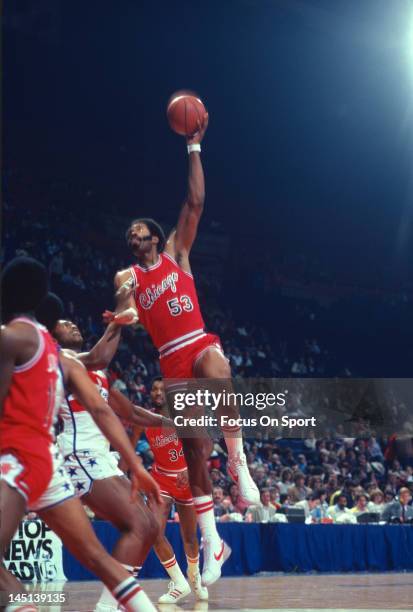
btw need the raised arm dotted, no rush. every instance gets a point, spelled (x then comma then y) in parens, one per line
(181, 240)
(100, 355)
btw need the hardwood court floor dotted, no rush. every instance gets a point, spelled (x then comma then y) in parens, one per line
(280, 592)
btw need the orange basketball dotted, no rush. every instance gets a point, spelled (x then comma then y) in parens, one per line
(184, 111)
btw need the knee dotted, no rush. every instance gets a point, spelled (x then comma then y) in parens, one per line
(145, 526)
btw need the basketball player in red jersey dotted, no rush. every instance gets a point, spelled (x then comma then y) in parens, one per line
(164, 299)
(30, 465)
(171, 473)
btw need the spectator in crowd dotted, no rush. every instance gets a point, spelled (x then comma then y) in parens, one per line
(376, 503)
(275, 497)
(235, 503)
(286, 481)
(309, 505)
(361, 507)
(265, 512)
(220, 507)
(340, 513)
(299, 491)
(400, 511)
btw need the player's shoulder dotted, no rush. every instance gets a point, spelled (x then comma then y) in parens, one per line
(69, 357)
(15, 333)
(122, 276)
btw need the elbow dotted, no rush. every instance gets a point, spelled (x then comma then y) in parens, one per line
(196, 201)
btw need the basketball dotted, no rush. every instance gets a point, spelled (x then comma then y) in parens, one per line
(184, 111)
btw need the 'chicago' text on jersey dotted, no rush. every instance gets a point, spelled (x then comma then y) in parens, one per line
(149, 297)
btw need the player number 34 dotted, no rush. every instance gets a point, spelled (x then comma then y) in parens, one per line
(177, 305)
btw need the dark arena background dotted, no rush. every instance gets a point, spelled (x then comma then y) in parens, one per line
(303, 260)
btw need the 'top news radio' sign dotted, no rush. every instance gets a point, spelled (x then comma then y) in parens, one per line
(35, 553)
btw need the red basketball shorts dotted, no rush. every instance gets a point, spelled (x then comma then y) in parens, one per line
(169, 488)
(180, 363)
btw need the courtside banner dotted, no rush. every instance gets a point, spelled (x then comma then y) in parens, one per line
(35, 553)
(292, 408)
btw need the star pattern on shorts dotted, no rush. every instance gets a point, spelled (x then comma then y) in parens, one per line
(80, 486)
(72, 471)
(86, 453)
(92, 462)
(66, 486)
(61, 471)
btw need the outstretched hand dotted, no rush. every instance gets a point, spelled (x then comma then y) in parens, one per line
(129, 316)
(200, 133)
(142, 481)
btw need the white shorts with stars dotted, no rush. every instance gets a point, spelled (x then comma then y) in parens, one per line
(83, 467)
(59, 489)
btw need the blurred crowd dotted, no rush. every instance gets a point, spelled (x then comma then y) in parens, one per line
(329, 480)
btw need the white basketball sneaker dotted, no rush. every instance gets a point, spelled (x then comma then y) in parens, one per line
(201, 592)
(215, 554)
(240, 474)
(175, 593)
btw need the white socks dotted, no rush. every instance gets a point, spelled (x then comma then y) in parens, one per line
(106, 598)
(204, 508)
(131, 596)
(174, 571)
(193, 566)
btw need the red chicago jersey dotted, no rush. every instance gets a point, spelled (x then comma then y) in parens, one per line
(167, 303)
(34, 396)
(167, 449)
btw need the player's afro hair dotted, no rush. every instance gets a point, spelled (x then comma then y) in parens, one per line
(24, 284)
(154, 228)
(49, 311)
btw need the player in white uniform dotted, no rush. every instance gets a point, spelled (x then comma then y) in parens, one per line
(91, 467)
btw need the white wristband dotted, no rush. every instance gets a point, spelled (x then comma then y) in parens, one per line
(194, 147)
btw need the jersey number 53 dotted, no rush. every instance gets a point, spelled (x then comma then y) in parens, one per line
(178, 305)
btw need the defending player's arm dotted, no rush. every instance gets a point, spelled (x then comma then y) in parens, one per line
(135, 414)
(181, 240)
(85, 391)
(100, 355)
(133, 436)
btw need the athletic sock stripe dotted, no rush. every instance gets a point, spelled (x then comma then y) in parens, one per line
(169, 565)
(199, 509)
(125, 587)
(129, 596)
(200, 505)
(203, 511)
